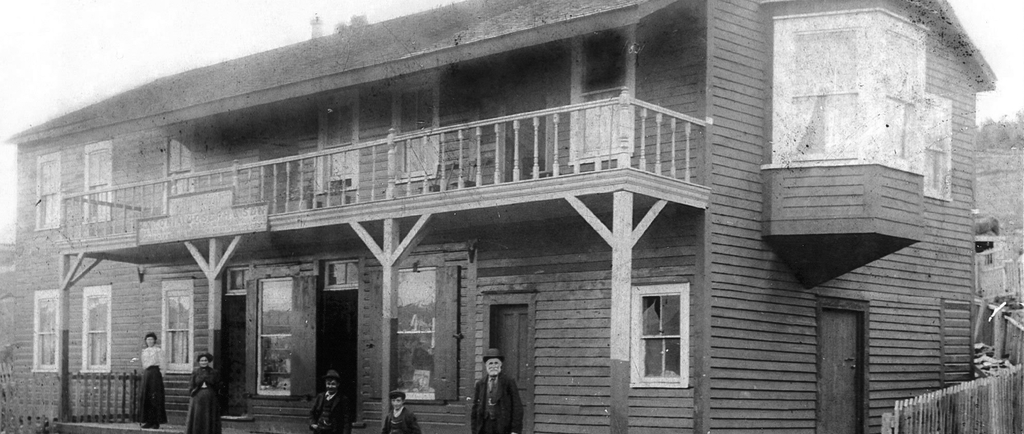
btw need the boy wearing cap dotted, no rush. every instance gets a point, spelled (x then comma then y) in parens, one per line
(497, 408)
(329, 414)
(400, 420)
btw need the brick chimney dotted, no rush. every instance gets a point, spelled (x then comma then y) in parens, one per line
(317, 26)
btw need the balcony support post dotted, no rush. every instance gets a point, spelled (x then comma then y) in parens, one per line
(390, 253)
(213, 269)
(622, 236)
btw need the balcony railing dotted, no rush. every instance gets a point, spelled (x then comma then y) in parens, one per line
(614, 133)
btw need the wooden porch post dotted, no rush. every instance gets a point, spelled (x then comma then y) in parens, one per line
(390, 253)
(69, 275)
(621, 237)
(213, 269)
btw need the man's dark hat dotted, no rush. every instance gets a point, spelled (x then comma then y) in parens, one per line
(493, 353)
(332, 374)
(396, 394)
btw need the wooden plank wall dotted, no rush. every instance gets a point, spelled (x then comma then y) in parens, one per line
(764, 341)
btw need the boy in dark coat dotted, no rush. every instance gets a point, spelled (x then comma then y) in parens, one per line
(497, 408)
(329, 414)
(400, 420)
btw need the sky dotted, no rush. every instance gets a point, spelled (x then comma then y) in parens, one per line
(57, 56)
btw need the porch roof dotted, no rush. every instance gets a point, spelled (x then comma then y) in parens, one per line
(411, 43)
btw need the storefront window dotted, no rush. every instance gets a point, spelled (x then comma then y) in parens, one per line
(416, 340)
(275, 350)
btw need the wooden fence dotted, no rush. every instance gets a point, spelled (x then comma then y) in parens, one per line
(25, 407)
(104, 397)
(991, 405)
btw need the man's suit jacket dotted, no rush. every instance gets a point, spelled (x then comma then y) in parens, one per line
(508, 406)
(337, 407)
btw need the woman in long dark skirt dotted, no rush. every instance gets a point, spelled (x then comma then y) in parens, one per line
(204, 407)
(151, 407)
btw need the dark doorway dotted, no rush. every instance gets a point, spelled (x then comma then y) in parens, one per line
(233, 365)
(842, 407)
(510, 333)
(336, 341)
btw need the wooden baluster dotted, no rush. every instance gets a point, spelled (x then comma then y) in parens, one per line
(373, 173)
(479, 161)
(686, 153)
(499, 136)
(515, 151)
(328, 166)
(536, 148)
(643, 139)
(554, 147)
(423, 166)
(462, 163)
(657, 145)
(672, 125)
(392, 166)
(301, 180)
(123, 411)
(105, 400)
(275, 187)
(442, 178)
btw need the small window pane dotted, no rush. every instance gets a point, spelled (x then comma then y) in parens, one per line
(97, 314)
(652, 316)
(48, 350)
(672, 355)
(178, 346)
(97, 348)
(47, 316)
(654, 365)
(236, 279)
(670, 315)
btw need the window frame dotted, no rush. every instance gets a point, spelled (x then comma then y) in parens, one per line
(90, 292)
(39, 296)
(341, 286)
(176, 288)
(637, 379)
(55, 158)
(103, 212)
(260, 335)
(183, 165)
(432, 144)
(230, 290)
(434, 272)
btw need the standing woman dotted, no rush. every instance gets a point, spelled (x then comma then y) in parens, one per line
(151, 409)
(204, 407)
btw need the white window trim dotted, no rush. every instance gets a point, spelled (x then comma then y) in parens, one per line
(259, 337)
(93, 292)
(89, 149)
(636, 378)
(344, 286)
(49, 294)
(44, 159)
(173, 288)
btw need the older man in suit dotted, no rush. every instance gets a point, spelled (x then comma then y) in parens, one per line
(497, 408)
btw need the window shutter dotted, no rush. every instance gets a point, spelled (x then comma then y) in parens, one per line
(303, 374)
(369, 334)
(446, 351)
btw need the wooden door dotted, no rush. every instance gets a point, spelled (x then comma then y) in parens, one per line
(841, 368)
(510, 333)
(232, 363)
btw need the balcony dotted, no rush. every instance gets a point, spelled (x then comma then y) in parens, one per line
(824, 221)
(589, 148)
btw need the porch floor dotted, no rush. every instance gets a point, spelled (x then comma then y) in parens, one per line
(128, 428)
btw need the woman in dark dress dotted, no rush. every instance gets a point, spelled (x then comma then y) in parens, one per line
(204, 407)
(151, 407)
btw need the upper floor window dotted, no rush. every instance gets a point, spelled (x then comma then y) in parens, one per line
(96, 318)
(179, 157)
(850, 88)
(417, 109)
(660, 342)
(48, 187)
(178, 318)
(97, 177)
(605, 59)
(46, 320)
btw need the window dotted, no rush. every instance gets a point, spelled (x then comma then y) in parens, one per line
(48, 187)
(342, 275)
(179, 157)
(97, 177)
(96, 329)
(236, 281)
(660, 335)
(605, 55)
(275, 332)
(849, 88)
(178, 318)
(417, 110)
(47, 325)
(417, 295)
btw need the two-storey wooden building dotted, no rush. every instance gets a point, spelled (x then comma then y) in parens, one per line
(672, 216)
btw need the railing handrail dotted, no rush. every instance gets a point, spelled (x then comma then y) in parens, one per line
(397, 138)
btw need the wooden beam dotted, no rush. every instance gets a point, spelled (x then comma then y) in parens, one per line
(200, 260)
(592, 219)
(69, 272)
(622, 283)
(75, 279)
(370, 242)
(648, 219)
(228, 253)
(412, 239)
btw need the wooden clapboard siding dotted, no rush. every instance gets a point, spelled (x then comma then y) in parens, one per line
(957, 354)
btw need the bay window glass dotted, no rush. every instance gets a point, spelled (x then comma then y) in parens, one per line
(275, 337)
(178, 314)
(660, 337)
(416, 341)
(96, 328)
(45, 319)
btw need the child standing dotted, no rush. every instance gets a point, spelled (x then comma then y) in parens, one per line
(400, 420)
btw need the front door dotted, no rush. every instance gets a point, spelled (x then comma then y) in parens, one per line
(841, 368)
(510, 333)
(233, 357)
(336, 341)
